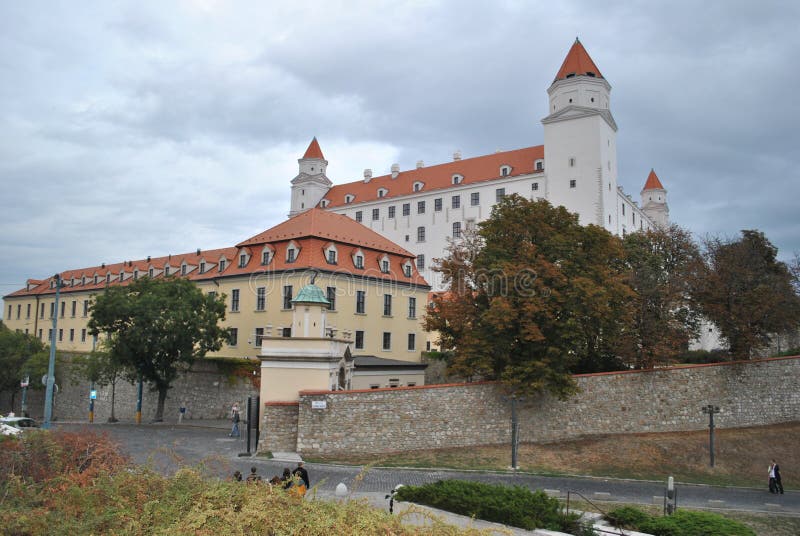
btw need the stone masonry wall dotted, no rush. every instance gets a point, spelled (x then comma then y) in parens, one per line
(461, 415)
(207, 391)
(279, 427)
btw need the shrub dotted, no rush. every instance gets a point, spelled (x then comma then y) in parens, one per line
(516, 505)
(682, 523)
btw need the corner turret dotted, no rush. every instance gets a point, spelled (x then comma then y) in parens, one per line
(311, 184)
(654, 200)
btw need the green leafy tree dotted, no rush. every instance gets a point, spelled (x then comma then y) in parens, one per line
(21, 355)
(661, 264)
(532, 298)
(747, 292)
(158, 328)
(101, 368)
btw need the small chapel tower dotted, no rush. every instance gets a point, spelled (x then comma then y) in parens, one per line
(580, 141)
(654, 200)
(311, 184)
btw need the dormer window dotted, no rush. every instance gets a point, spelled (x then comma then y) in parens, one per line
(83, 280)
(324, 203)
(407, 269)
(108, 278)
(184, 269)
(202, 268)
(121, 276)
(349, 198)
(382, 192)
(330, 255)
(385, 264)
(418, 186)
(457, 179)
(95, 279)
(505, 171)
(265, 257)
(150, 272)
(291, 255)
(242, 260)
(539, 165)
(359, 261)
(136, 274)
(221, 265)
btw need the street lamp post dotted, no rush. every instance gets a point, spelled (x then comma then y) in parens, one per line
(51, 366)
(710, 410)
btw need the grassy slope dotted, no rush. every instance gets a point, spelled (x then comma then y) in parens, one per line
(742, 456)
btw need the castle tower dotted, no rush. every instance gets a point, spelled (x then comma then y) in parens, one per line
(580, 141)
(311, 183)
(654, 200)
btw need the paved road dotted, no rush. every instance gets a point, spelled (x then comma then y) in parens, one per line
(167, 447)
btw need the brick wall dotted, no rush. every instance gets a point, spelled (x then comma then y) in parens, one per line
(279, 427)
(462, 415)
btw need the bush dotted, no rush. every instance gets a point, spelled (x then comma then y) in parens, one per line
(516, 505)
(704, 356)
(682, 523)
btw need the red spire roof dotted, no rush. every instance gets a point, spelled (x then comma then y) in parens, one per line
(577, 63)
(652, 182)
(313, 150)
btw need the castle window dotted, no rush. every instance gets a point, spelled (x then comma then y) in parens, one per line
(475, 199)
(572, 161)
(499, 193)
(420, 234)
(418, 186)
(455, 202)
(359, 216)
(287, 296)
(233, 336)
(382, 192)
(535, 186)
(623, 210)
(437, 204)
(265, 257)
(457, 179)
(324, 203)
(456, 229)
(385, 266)
(391, 212)
(261, 300)
(330, 293)
(406, 209)
(505, 171)
(420, 262)
(540, 165)
(291, 254)
(572, 183)
(376, 214)
(242, 260)
(359, 261)
(420, 207)
(387, 341)
(235, 300)
(407, 269)
(359, 340)
(412, 341)
(349, 198)
(331, 256)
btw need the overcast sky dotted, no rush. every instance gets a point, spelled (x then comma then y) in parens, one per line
(146, 128)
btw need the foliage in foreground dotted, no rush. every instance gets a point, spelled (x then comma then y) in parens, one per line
(516, 506)
(682, 523)
(89, 489)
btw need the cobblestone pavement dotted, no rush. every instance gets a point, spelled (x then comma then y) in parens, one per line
(167, 447)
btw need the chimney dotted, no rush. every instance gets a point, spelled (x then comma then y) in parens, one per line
(198, 252)
(148, 258)
(456, 156)
(367, 175)
(395, 170)
(420, 164)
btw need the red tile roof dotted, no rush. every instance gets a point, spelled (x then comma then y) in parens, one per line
(312, 232)
(320, 223)
(577, 62)
(473, 170)
(314, 150)
(652, 182)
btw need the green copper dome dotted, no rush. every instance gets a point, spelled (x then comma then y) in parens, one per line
(311, 294)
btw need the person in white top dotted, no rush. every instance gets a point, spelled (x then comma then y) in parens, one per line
(772, 487)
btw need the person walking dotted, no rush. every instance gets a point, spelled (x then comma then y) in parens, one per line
(776, 470)
(235, 420)
(181, 412)
(771, 474)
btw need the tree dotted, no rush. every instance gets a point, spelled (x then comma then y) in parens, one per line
(661, 264)
(158, 328)
(101, 368)
(21, 355)
(746, 292)
(532, 298)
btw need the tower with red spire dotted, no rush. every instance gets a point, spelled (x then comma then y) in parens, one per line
(654, 200)
(311, 184)
(580, 141)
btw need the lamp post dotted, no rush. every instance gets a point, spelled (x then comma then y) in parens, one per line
(51, 366)
(710, 410)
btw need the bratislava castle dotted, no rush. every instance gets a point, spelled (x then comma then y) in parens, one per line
(423, 208)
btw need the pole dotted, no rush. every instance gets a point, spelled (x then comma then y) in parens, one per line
(91, 388)
(139, 401)
(24, 406)
(711, 435)
(514, 432)
(51, 366)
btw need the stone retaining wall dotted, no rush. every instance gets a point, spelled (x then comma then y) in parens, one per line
(279, 427)
(462, 415)
(207, 391)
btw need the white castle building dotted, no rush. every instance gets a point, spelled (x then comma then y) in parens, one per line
(422, 208)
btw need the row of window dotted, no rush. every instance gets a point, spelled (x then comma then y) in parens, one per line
(455, 202)
(386, 339)
(61, 335)
(73, 309)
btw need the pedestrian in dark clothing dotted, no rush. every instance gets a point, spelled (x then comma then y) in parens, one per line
(303, 474)
(287, 478)
(778, 483)
(237, 476)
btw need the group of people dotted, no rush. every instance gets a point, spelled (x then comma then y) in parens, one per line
(775, 484)
(296, 481)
